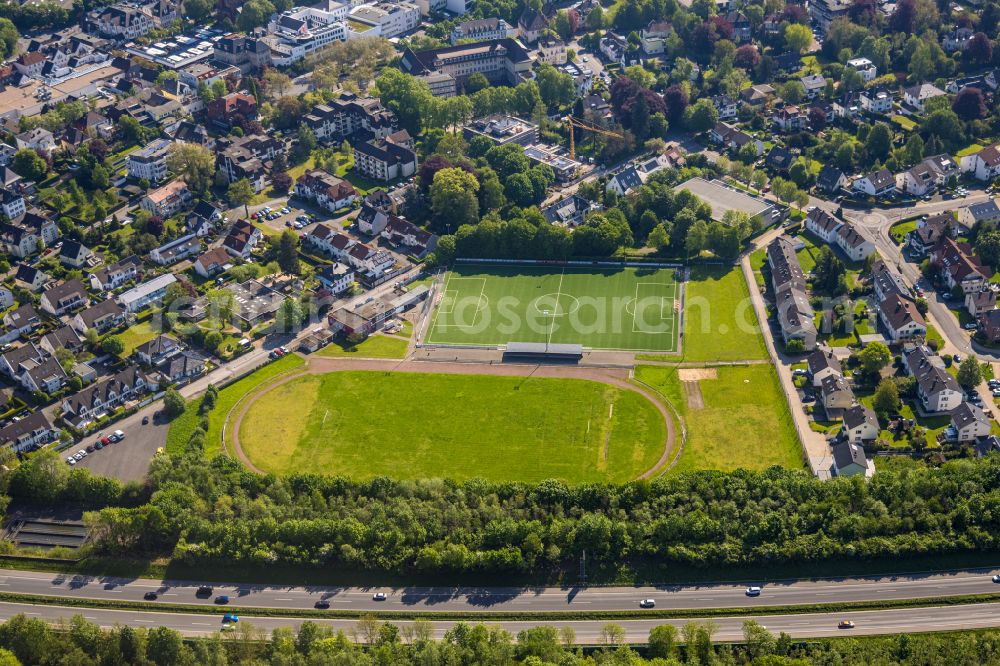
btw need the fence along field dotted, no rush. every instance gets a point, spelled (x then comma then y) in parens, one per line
(618, 309)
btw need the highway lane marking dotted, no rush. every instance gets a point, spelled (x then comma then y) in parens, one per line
(149, 621)
(200, 624)
(284, 599)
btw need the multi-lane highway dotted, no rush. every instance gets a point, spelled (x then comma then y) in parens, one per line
(817, 625)
(519, 600)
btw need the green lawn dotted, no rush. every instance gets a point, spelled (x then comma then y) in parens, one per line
(720, 323)
(758, 259)
(899, 230)
(622, 309)
(904, 123)
(182, 426)
(745, 422)
(137, 335)
(377, 346)
(969, 150)
(462, 426)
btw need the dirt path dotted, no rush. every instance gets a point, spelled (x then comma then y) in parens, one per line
(317, 365)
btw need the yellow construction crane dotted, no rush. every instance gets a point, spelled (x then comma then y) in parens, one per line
(572, 122)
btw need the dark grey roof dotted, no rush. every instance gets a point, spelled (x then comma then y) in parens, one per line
(858, 415)
(846, 454)
(820, 360)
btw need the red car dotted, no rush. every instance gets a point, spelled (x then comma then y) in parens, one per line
(105, 441)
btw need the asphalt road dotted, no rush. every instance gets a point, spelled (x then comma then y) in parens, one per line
(972, 616)
(707, 596)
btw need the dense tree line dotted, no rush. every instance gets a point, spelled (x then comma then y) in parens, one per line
(371, 643)
(216, 511)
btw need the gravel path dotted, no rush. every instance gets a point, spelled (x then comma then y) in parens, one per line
(317, 365)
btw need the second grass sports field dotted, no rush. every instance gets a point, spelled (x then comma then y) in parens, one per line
(622, 309)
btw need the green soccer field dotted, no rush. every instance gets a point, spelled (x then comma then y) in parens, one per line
(621, 309)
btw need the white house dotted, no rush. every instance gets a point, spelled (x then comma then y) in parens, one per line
(864, 67)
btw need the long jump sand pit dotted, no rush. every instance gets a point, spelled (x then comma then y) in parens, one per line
(689, 380)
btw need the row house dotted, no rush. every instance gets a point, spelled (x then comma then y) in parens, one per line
(146, 294)
(241, 240)
(29, 433)
(982, 165)
(14, 361)
(349, 114)
(937, 390)
(62, 298)
(64, 337)
(21, 321)
(12, 203)
(986, 212)
(795, 314)
(176, 250)
(929, 233)
(930, 174)
(328, 192)
(842, 234)
(901, 319)
(109, 278)
(23, 237)
(44, 376)
(879, 183)
(886, 282)
(336, 277)
(104, 397)
(121, 22)
(101, 317)
(968, 423)
(959, 266)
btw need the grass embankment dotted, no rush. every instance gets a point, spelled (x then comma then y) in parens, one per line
(375, 346)
(745, 422)
(462, 426)
(182, 426)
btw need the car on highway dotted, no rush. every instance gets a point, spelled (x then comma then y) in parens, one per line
(322, 604)
(204, 591)
(845, 624)
(753, 591)
(222, 599)
(150, 596)
(996, 578)
(226, 628)
(231, 617)
(380, 596)
(647, 603)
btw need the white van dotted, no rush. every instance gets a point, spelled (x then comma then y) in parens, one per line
(119, 435)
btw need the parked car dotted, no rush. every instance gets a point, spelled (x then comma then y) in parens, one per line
(145, 420)
(98, 446)
(70, 460)
(119, 435)
(971, 326)
(82, 453)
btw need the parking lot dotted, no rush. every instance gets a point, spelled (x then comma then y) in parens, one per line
(128, 459)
